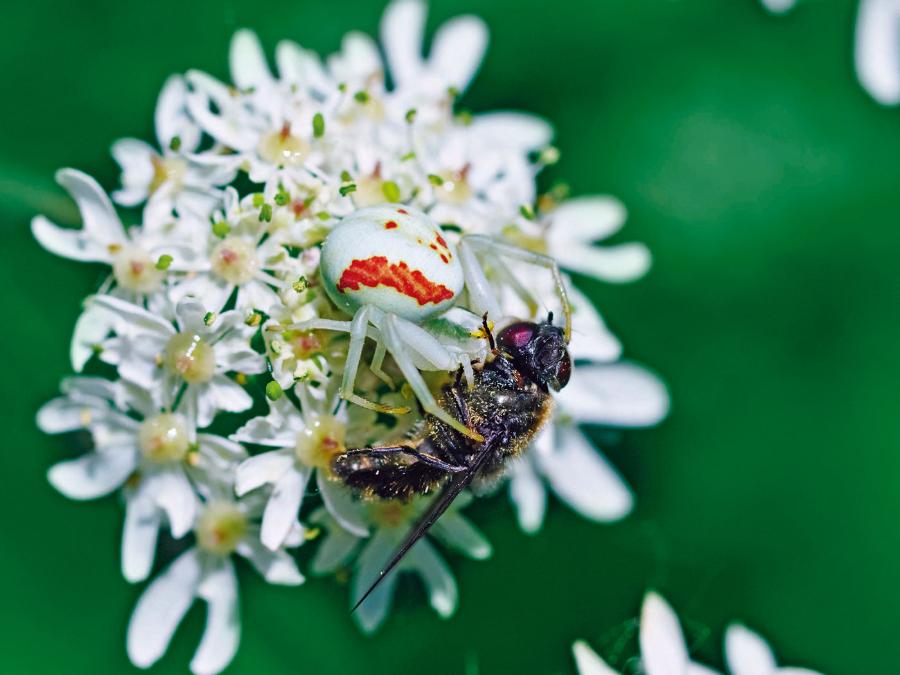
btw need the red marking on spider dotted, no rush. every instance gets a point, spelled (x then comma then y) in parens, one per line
(445, 258)
(403, 211)
(390, 225)
(376, 271)
(432, 247)
(441, 241)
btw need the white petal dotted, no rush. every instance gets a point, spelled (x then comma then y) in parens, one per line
(191, 314)
(402, 31)
(222, 447)
(878, 49)
(458, 49)
(521, 131)
(301, 66)
(528, 495)
(616, 264)
(223, 622)
(747, 653)
(68, 243)
(457, 533)
(227, 395)
(221, 129)
(358, 59)
(335, 548)
(258, 470)
(172, 492)
(134, 316)
(274, 430)
(618, 394)
(663, 649)
(442, 592)
(136, 159)
(101, 223)
(342, 505)
(171, 118)
(779, 6)
(238, 357)
(92, 326)
(584, 479)
(587, 662)
(586, 219)
(591, 339)
(282, 507)
(161, 608)
(142, 520)
(248, 62)
(276, 567)
(94, 475)
(256, 295)
(65, 414)
(374, 556)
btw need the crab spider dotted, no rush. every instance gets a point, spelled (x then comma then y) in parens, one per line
(390, 267)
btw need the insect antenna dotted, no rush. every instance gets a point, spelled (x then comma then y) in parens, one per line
(489, 334)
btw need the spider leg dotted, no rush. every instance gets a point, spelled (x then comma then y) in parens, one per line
(399, 349)
(481, 295)
(487, 244)
(358, 331)
(377, 361)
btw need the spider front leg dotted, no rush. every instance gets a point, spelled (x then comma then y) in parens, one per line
(401, 337)
(358, 328)
(489, 245)
(481, 295)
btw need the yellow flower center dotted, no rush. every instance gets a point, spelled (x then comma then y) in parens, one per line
(135, 270)
(189, 356)
(283, 148)
(166, 169)
(391, 512)
(234, 259)
(220, 528)
(368, 192)
(320, 442)
(163, 438)
(455, 187)
(303, 343)
(524, 240)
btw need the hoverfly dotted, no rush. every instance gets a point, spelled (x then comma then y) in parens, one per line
(508, 405)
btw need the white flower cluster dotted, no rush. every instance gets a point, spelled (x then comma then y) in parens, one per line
(187, 331)
(664, 650)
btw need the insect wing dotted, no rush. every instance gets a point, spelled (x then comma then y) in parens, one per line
(442, 502)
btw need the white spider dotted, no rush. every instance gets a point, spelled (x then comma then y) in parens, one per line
(392, 269)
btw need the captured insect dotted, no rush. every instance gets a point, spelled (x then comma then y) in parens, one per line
(391, 268)
(508, 404)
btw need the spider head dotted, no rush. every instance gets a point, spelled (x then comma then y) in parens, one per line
(538, 350)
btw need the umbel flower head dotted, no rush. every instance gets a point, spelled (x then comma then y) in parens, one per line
(665, 651)
(214, 305)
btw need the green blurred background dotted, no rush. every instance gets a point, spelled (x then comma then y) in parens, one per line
(766, 184)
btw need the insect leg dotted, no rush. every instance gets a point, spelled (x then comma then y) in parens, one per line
(399, 351)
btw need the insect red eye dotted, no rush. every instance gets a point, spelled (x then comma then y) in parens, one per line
(516, 335)
(563, 371)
